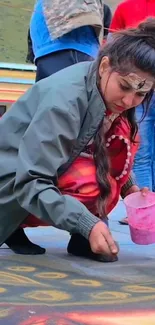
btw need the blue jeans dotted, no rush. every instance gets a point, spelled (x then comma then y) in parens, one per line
(144, 163)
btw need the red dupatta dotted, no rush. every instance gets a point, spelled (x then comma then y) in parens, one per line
(79, 180)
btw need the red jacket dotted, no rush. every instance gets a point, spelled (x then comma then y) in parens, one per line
(130, 13)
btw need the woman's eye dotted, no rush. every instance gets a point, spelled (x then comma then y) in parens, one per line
(125, 88)
(141, 94)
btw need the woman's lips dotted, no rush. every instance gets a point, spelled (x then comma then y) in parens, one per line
(119, 108)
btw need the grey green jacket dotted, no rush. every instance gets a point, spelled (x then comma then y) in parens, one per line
(40, 136)
(62, 16)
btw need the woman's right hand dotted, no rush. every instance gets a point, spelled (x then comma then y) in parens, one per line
(101, 240)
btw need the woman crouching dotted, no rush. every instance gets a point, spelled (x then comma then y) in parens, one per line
(67, 147)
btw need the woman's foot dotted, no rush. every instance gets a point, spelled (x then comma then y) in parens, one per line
(79, 246)
(20, 244)
(124, 221)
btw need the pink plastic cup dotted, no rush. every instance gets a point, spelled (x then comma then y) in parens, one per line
(141, 217)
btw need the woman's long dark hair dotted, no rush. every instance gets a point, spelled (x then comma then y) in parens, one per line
(129, 50)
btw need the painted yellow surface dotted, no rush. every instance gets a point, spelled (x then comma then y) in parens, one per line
(19, 74)
(22, 268)
(45, 288)
(51, 275)
(9, 93)
(5, 86)
(48, 295)
(138, 289)
(85, 283)
(108, 295)
(8, 97)
(11, 90)
(2, 290)
(16, 279)
(4, 312)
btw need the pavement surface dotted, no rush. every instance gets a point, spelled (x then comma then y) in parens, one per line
(56, 288)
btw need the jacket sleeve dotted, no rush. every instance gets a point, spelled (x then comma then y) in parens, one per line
(45, 146)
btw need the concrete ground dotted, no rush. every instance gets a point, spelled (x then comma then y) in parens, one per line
(60, 289)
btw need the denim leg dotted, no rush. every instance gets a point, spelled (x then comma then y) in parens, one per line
(144, 157)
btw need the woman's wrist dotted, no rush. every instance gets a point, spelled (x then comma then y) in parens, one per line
(132, 189)
(128, 186)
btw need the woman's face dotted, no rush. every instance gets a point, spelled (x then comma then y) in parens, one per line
(120, 92)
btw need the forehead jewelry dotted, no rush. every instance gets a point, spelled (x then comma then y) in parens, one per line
(141, 84)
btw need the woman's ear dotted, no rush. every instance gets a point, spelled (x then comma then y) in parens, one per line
(104, 65)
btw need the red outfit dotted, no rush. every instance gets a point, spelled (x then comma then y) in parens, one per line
(130, 13)
(80, 179)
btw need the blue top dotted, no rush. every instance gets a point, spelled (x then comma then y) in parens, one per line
(82, 39)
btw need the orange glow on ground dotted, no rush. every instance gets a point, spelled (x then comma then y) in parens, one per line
(96, 318)
(137, 318)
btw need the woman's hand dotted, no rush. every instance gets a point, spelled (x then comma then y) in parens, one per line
(135, 188)
(101, 240)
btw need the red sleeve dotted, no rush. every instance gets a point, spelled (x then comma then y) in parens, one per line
(117, 20)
